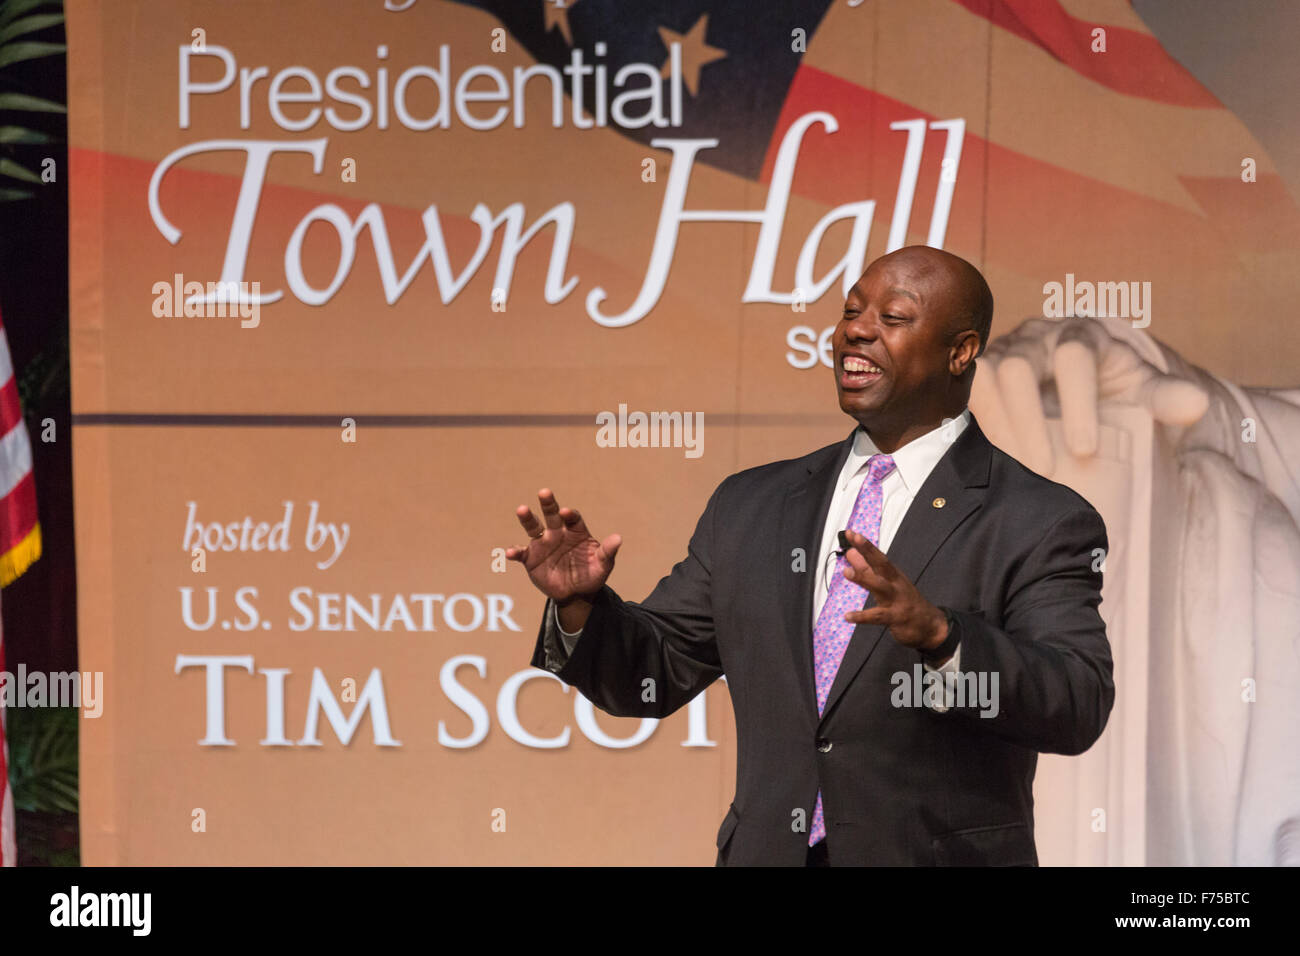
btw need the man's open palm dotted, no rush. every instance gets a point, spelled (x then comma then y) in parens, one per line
(911, 618)
(562, 558)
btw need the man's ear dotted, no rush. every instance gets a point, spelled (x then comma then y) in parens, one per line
(961, 357)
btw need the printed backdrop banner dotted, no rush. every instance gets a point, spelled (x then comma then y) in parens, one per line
(352, 280)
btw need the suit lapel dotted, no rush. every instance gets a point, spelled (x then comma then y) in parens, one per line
(803, 516)
(961, 478)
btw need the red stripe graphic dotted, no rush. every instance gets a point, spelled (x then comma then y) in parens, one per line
(1034, 208)
(1134, 63)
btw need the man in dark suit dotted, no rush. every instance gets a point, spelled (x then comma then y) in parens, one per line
(905, 618)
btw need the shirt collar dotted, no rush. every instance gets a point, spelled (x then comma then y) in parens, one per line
(914, 461)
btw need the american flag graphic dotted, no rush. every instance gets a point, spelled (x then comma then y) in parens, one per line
(1026, 190)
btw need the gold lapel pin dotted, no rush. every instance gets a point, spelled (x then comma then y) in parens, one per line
(939, 502)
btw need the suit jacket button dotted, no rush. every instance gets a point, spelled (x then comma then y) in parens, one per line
(824, 746)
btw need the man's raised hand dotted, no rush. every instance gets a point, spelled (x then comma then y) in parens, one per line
(912, 620)
(562, 558)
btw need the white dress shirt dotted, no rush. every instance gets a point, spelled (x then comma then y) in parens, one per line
(913, 463)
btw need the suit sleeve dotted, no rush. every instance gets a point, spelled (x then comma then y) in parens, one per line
(647, 659)
(1049, 665)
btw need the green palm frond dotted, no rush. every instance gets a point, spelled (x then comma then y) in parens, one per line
(35, 104)
(9, 168)
(13, 9)
(43, 757)
(19, 134)
(17, 52)
(20, 19)
(30, 25)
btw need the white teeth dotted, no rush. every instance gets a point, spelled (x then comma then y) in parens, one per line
(854, 364)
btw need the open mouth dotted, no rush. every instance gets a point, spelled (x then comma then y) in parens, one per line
(857, 372)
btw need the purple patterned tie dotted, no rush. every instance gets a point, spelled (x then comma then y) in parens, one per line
(832, 633)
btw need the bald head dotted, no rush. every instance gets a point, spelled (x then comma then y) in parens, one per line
(906, 343)
(968, 301)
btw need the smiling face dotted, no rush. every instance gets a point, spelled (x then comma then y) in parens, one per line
(901, 346)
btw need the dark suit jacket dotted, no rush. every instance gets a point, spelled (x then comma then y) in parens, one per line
(1010, 554)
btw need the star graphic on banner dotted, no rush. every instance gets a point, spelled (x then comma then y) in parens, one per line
(696, 54)
(557, 11)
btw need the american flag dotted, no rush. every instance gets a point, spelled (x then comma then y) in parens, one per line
(1160, 177)
(20, 545)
